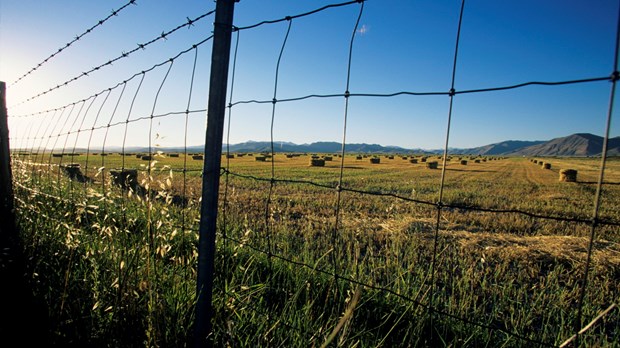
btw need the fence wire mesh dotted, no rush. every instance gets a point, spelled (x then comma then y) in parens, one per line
(342, 253)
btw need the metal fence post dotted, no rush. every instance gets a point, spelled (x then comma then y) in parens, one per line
(216, 111)
(8, 229)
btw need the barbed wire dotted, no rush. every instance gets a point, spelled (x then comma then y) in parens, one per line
(300, 15)
(194, 46)
(77, 38)
(142, 46)
(594, 222)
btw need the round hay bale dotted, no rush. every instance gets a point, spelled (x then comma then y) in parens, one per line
(546, 165)
(126, 178)
(432, 165)
(328, 158)
(413, 160)
(57, 155)
(535, 161)
(139, 155)
(359, 158)
(198, 157)
(317, 162)
(147, 158)
(568, 175)
(405, 158)
(423, 159)
(390, 157)
(260, 158)
(289, 155)
(230, 156)
(375, 160)
(476, 161)
(464, 162)
(174, 155)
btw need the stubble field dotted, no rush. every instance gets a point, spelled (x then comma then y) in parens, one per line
(501, 263)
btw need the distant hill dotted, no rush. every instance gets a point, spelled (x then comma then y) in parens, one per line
(503, 148)
(580, 144)
(318, 147)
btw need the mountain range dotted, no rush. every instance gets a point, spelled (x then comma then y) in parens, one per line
(580, 144)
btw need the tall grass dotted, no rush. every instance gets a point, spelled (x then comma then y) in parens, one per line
(107, 281)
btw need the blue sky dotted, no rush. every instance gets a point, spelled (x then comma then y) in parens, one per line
(399, 46)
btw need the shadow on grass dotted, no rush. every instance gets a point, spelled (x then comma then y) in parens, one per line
(23, 318)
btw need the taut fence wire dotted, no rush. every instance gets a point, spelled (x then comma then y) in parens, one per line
(292, 248)
(76, 39)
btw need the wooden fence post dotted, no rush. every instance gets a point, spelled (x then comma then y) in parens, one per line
(8, 230)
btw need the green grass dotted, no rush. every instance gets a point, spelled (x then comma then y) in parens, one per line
(120, 271)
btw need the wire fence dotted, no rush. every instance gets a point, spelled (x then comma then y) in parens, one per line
(298, 248)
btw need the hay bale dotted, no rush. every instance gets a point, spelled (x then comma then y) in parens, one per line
(260, 158)
(103, 154)
(125, 179)
(359, 158)
(147, 158)
(57, 155)
(375, 160)
(405, 158)
(413, 160)
(432, 165)
(464, 162)
(390, 157)
(198, 157)
(535, 161)
(476, 161)
(230, 156)
(139, 155)
(423, 159)
(328, 158)
(568, 175)
(546, 165)
(174, 155)
(289, 155)
(317, 162)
